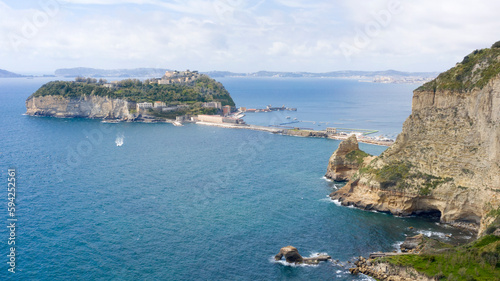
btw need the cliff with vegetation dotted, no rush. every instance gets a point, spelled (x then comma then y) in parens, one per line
(446, 160)
(346, 160)
(429, 259)
(90, 98)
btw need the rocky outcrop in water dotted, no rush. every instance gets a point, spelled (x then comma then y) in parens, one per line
(84, 107)
(292, 255)
(447, 158)
(346, 160)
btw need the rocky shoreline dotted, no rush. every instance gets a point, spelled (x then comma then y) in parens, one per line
(386, 271)
(445, 162)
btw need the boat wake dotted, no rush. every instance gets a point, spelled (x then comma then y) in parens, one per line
(119, 140)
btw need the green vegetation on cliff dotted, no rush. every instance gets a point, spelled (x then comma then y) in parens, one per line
(495, 225)
(479, 260)
(203, 89)
(399, 176)
(356, 156)
(475, 71)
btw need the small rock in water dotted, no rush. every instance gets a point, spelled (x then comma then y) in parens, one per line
(292, 255)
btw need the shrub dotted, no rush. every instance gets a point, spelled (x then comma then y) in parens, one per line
(356, 156)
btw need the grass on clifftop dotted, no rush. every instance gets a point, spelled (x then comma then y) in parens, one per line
(479, 260)
(475, 71)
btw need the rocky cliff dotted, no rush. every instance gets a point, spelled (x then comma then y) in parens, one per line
(346, 160)
(83, 106)
(447, 158)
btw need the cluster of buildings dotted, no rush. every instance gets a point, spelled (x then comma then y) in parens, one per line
(157, 106)
(402, 80)
(226, 109)
(173, 77)
(162, 106)
(226, 116)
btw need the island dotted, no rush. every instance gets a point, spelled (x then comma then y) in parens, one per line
(446, 163)
(8, 74)
(177, 93)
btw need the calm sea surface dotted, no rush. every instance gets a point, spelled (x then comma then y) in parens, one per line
(193, 202)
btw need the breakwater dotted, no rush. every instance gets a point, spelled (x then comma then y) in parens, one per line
(302, 132)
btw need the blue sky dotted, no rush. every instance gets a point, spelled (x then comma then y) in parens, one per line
(244, 35)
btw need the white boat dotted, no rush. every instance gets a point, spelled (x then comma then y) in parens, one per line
(177, 124)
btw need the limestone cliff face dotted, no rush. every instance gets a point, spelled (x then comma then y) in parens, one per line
(346, 160)
(84, 106)
(446, 159)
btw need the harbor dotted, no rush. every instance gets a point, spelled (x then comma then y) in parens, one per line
(330, 133)
(232, 118)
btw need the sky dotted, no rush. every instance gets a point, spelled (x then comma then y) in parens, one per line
(39, 36)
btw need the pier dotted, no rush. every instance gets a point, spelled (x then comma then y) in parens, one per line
(303, 132)
(364, 131)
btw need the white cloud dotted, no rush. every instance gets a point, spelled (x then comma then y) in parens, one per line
(246, 36)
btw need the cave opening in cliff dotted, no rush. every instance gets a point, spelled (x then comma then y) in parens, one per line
(432, 214)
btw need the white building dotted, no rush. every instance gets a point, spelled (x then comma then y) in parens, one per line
(331, 131)
(144, 105)
(159, 104)
(210, 118)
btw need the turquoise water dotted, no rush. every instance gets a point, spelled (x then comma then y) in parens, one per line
(179, 203)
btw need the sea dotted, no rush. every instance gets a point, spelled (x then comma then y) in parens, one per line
(137, 201)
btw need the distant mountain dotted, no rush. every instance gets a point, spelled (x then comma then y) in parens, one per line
(8, 74)
(215, 74)
(333, 74)
(94, 72)
(386, 76)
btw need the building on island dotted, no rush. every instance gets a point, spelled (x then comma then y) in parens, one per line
(170, 108)
(226, 110)
(179, 77)
(143, 106)
(184, 118)
(217, 119)
(243, 109)
(159, 104)
(331, 131)
(212, 104)
(210, 118)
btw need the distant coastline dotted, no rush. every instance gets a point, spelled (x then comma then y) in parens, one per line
(386, 76)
